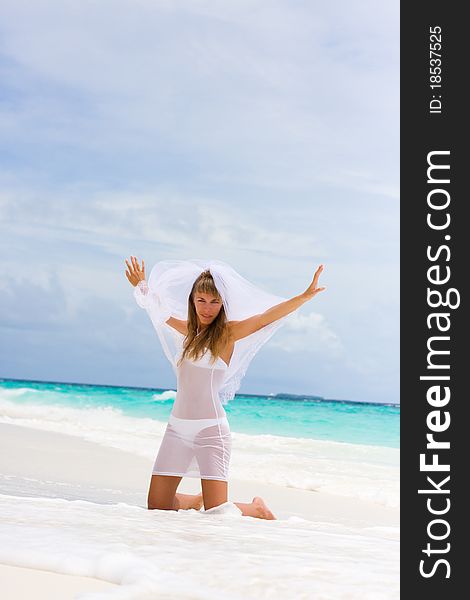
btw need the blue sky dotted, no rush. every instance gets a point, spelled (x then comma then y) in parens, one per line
(265, 134)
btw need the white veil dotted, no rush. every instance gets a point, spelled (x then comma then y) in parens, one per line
(167, 293)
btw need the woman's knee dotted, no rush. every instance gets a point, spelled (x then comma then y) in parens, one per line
(162, 493)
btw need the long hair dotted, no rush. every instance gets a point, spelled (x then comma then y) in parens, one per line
(213, 337)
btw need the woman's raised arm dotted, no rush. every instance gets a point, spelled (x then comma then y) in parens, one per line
(240, 329)
(148, 300)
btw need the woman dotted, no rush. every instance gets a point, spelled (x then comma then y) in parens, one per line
(211, 322)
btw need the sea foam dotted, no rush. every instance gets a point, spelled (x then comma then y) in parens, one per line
(352, 470)
(190, 555)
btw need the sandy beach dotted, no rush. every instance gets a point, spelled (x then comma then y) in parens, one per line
(77, 510)
(18, 583)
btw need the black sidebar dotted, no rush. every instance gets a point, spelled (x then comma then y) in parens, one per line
(435, 257)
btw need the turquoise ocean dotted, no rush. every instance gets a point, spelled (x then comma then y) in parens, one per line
(62, 512)
(286, 415)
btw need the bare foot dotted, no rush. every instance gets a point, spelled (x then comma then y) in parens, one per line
(262, 509)
(198, 501)
(187, 501)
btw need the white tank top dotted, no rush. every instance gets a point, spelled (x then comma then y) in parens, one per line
(198, 383)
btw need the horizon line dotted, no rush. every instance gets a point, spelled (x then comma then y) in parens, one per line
(279, 395)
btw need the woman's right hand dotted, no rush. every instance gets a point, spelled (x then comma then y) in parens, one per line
(135, 272)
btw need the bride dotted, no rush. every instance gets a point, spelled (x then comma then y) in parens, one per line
(211, 322)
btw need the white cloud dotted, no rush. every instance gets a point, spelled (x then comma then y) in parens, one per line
(263, 133)
(308, 333)
(267, 93)
(196, 225)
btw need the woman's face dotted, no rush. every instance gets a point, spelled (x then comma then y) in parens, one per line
(207, 307)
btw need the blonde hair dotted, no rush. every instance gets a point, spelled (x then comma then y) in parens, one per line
(213, 337)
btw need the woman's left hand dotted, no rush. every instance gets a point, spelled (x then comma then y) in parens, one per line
(312, 289)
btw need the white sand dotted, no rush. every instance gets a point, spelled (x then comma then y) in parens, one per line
(18, 583)
(358, 471)
(44, 473)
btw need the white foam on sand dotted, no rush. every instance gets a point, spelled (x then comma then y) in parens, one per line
(352, 470)
(188, 554)
(78, 508)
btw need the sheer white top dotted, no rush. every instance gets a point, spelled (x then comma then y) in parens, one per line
(198, 384)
